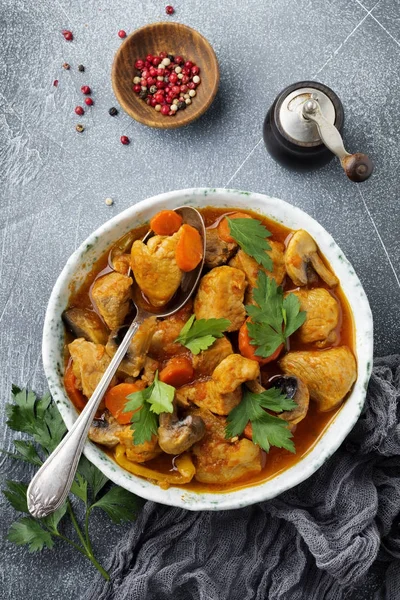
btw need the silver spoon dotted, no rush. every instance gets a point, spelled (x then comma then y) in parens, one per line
(51, 485)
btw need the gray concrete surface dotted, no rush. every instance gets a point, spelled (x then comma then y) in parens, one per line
(53, 181)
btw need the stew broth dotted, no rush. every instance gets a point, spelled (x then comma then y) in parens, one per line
(311, 428)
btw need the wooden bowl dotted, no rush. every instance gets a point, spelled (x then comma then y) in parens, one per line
(176, 39)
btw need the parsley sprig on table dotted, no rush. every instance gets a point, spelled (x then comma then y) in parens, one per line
(147, 404)
(273, 317)
(40, 419)
(267, 430)
(251, 235)
(200, 335)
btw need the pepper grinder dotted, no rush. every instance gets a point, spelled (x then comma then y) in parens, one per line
(302, 130)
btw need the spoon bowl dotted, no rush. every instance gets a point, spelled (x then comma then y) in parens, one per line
(51, 485)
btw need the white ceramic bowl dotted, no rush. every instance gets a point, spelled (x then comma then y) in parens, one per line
(80, 263)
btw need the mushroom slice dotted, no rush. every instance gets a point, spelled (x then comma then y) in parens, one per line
(295, 389)
(178, 435)
(103, 431)
(302, 259)
(85, 323)
(328, 374)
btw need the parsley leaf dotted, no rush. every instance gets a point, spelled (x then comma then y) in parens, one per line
(16, 495)
(40, 419)
(28, 531)
(144, 424)
(37, 417)
(200, 335)
(119, 504)
(273, 317)
(91, 474)
(267, 430)
(148, 403)
(251, 236)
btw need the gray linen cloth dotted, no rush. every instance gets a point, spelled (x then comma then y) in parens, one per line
(313, 542)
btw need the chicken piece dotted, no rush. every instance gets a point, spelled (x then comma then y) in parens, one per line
(85, 323)
(322, 317)
(141, 452)
(103, 431)
(149, 370)
(122, 263)
(218, 252)
(205, 362)
(251, 268)
(89, 362)
(155, 269)
(178, 435)
(219, 460)
(302, 261)
(328, 374)
(135, 357)
(163, 342)
(220, 295)
(222, 392)
(112, 294)
(193, 393)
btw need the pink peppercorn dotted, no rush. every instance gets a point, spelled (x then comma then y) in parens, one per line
(173, 78)
(136, 88)
(189, 64)
(55, 83)
(195, 70)
(191, 85)
(149, 58)
(124, 140)
(79, 110)
(122, 33)
(178, 60)
(163, 55)
(139, 64)
(67, 35)
(85, 89)
(169, 9)
(165, 109)
(89, 102)
(184, 89)
(156, 61)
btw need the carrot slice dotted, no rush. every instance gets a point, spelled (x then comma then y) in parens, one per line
(248, 431)
(189, 249)
(75, 395)
(166, 222)
(223, 226)
(249, 351)
(177, 372)
(116, 398)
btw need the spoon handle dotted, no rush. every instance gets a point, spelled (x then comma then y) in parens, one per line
(52, 483)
